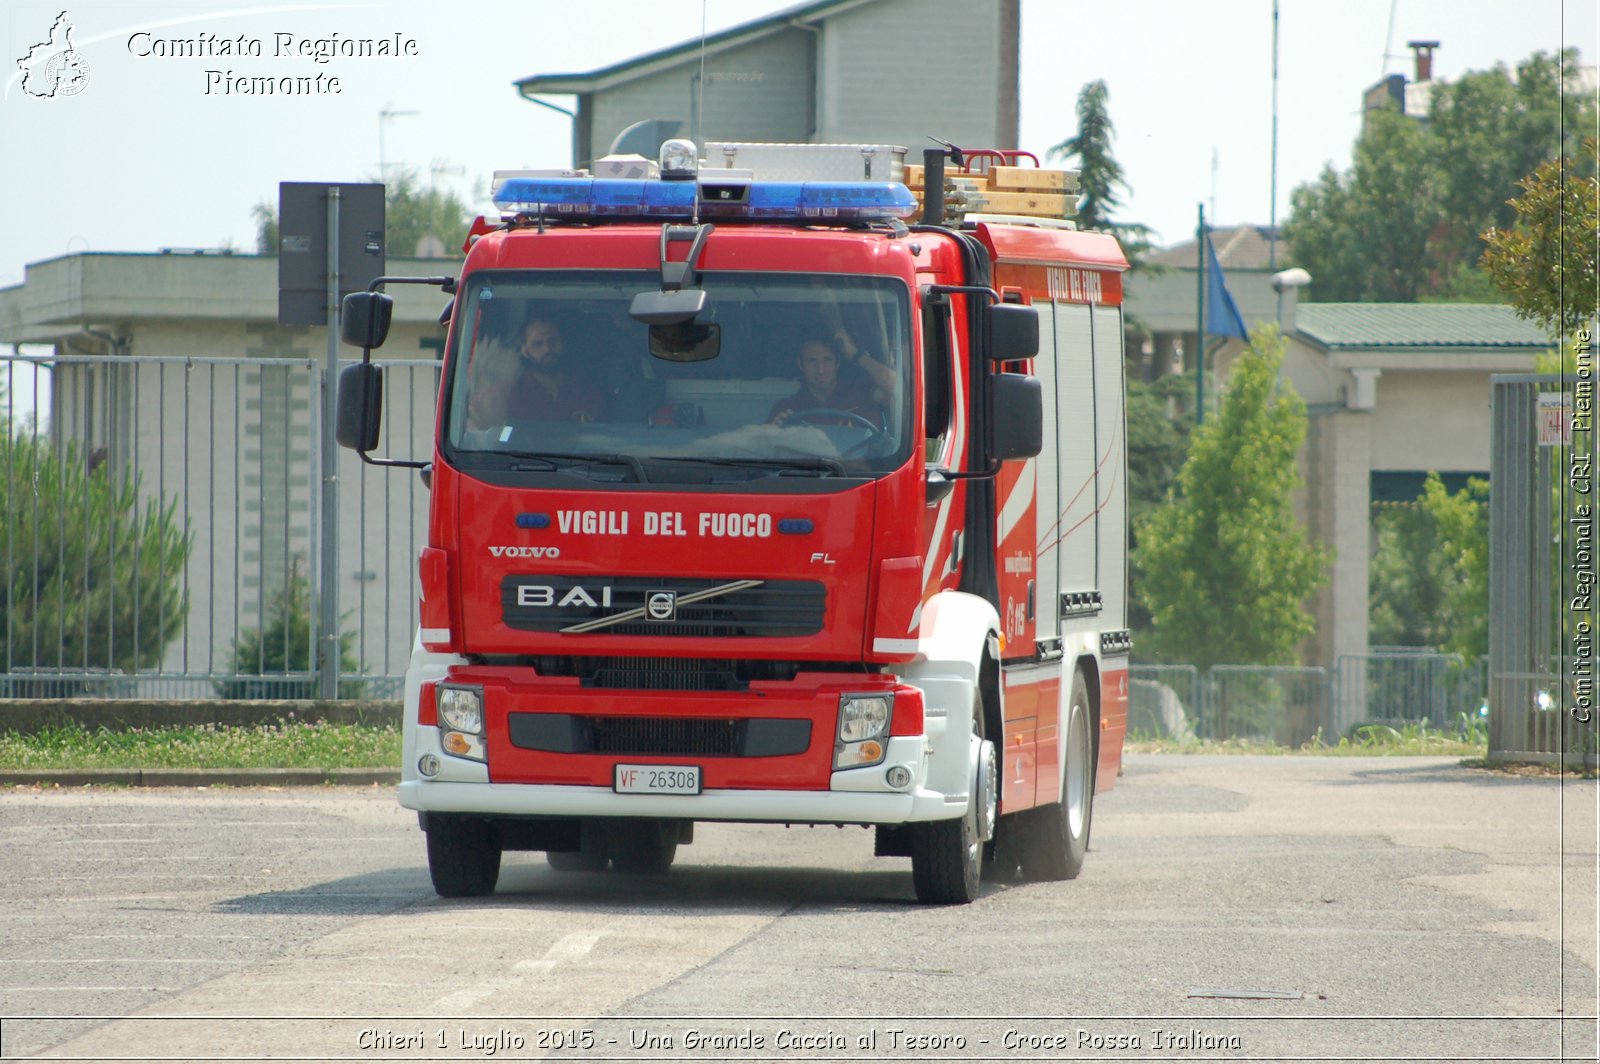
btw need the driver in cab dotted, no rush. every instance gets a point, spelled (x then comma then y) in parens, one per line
(836, 378)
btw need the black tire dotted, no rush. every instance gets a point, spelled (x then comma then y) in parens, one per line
(463, 856)
(947, 855)
(1059, 837)
(1002, 855)
(641, 847)
(592, 854)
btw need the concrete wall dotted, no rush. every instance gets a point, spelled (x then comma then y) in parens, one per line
(886, 71)
(900, 71)
(1431, 421)
(762, 91)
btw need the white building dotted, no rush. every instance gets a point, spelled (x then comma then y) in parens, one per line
(1394, 391)
(830, 71)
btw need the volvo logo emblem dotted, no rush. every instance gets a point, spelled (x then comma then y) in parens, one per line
(661, 605)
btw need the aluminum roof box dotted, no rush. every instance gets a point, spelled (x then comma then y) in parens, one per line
(811, 162)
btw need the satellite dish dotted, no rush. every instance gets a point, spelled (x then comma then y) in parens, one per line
(645, 138)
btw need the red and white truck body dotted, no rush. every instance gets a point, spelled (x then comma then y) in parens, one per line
(676, 606)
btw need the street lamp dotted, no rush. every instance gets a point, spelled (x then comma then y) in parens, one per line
(1294, 277)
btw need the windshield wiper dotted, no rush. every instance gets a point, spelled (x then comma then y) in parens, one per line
(777, 466)
(554, 460)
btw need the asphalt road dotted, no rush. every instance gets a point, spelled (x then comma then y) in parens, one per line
(1232, 908)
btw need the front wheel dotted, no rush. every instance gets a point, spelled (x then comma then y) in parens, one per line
(463, 856)
(1059, 839)
(947, 855)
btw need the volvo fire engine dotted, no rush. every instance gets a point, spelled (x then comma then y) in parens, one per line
(757, 498)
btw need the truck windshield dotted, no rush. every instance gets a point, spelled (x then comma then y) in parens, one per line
(811, 377)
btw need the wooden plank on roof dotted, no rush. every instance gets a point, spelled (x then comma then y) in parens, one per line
(1032, 179)
(1036, 204)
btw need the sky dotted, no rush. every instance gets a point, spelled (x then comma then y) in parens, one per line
(144, 157)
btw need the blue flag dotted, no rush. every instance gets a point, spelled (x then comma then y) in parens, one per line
(1222, 313)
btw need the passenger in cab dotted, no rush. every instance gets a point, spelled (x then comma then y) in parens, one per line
(491, 381)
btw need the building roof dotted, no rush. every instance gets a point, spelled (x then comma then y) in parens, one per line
(108, 289)
(1368, 325)
(642, 65)
(1239, 247)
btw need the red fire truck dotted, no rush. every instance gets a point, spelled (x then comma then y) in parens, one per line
(756, 499)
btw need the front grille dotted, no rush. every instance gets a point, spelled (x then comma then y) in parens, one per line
(661, 674)
(566, 733)
(617, 673)
(772, 608)
(658, 735)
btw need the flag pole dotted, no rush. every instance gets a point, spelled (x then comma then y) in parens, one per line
(1200, 317)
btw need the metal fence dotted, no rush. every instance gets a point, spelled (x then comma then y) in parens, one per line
(1408, 686)
(1286, 704)
(1164, 700)
(1294, 705)
(160, 529)
(1541, 549)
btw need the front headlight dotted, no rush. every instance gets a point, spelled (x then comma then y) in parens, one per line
(461, 708)
(864, 716)
(863, 725)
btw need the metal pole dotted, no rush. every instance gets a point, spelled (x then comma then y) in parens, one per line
(328, 629)
(1200, 317)
(1272, 211)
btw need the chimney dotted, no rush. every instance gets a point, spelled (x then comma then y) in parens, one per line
(1422, 51)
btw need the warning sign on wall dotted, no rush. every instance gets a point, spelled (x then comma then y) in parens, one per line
(1554, 415)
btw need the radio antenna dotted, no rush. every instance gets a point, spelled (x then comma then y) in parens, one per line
(700, 86)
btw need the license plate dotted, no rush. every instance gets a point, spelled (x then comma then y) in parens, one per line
(657, 779)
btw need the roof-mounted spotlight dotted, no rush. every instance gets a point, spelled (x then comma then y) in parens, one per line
(680, 160)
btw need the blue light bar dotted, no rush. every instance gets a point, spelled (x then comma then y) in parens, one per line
(595, 197)
(816, 202)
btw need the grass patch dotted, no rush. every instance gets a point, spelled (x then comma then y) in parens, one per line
(1469, 739)
(288, 745)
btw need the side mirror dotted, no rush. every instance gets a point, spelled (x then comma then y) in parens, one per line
(1013, 332)
(364, 319)
(360, 412)
(1018, 415)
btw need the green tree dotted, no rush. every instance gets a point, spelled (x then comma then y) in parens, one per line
(1490, 130)
(1462, 523)
(1227, 568)
(1545, 261)
(1407, 579)
(1364, 236)
(1429, 582)
(412, 214)
(93, 574)
(280, 652)
(1157, 444)
(1100, 177)
(1405, 223)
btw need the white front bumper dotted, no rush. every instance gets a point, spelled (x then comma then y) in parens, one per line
(792, 807)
